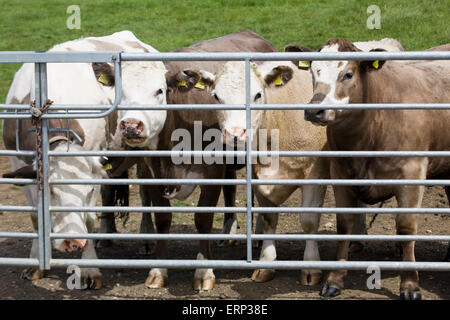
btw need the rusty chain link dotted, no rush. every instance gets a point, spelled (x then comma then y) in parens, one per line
(36, 120)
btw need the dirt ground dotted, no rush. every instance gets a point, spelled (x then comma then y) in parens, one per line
(230, 284)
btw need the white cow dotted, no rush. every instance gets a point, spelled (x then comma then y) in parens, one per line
(279, 82)
(85, 83)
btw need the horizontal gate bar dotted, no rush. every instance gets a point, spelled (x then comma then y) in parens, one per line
(240, 264)
(254, 209)
(284, 56)
(24, 235)
(58, 57)
(18, 208)
(169, 153)
(243, 237)
(99, 107)
(336, 182)
(26, 262)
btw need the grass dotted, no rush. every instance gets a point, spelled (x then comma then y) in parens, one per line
(170, 24)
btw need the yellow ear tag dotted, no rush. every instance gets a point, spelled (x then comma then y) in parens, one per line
(107, 166)
(181, 83)
(200, 85)
(304, 64)
(375, 64)
(277, 81)
(103, 79)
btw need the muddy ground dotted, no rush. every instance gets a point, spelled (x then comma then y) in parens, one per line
(230, 284)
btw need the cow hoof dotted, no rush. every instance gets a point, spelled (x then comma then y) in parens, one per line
(156, 281)
(204, 284)
(92, 278)
(263, 275)
(103, 243)
(410, 295)
(355, 247)
(310, 277)
(330, 291)
(32, 274)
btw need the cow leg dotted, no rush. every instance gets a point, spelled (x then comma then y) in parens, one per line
(204, 279)
(91, 277)
(258, 226)
(146, 219)
(33, 273)
(268, 250)
(157, 277)
(360, 228)
(345, 224)
(406, 224)
(312, 196)
(112, 195)
(30, 193)
(230, 222)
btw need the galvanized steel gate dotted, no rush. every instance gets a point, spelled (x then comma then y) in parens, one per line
(44, 209)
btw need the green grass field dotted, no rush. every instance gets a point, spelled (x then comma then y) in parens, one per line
(170, 24)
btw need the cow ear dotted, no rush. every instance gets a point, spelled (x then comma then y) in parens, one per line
(373, 64)
(186, 80)
(104, 73)
(27, 172)
(279, 76)
(301, 64)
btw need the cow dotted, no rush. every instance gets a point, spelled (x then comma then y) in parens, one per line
(179, 85)
(376, 81)
(82, 83)
(279, 82)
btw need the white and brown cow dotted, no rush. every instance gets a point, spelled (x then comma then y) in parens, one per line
(346, 82)
(183, 89)
(84, 83)
(278, 82)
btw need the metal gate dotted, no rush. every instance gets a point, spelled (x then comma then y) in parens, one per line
(44, 209)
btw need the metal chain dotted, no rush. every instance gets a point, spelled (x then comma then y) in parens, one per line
(36, 120)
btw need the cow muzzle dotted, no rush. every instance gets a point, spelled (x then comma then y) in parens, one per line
(319, 116)
(235, 136)
(131, 130)
(74, 245)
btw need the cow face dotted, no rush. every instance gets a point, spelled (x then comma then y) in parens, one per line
(69, 195)
(142, 83)
(73, 195)
(228, 87)
(337, 82)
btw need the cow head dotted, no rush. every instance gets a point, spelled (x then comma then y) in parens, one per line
(142, 83)
(69, 195)
(337, 82)
(228, 87)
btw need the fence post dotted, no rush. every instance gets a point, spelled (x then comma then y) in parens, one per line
(248, 118)
(44, 222)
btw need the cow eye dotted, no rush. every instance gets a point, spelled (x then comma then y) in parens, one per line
(216, 97)
(347, 76)
(160, 91)
(257, 96)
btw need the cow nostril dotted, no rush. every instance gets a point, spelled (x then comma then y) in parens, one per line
(140, 126)
(320, 114)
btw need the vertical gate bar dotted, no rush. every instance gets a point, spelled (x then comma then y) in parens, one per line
(45, 160)
(40, 199)
(249, 159)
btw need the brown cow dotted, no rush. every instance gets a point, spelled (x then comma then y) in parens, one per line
(344, 82)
